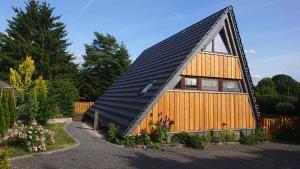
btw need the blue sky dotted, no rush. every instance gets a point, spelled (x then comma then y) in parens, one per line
(270, 30)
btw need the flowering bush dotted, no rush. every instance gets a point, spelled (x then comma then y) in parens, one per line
(33, 136)
(161, 133)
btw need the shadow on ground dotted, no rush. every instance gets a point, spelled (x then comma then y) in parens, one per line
(257, 159)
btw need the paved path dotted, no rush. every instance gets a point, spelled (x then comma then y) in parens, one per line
(97, 153)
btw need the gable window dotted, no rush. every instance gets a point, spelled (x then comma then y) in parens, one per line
(218, 44)
(231, 86)
(209, 84)
(190, 83)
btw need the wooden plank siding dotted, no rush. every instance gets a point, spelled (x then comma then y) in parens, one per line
(200, 111)
(214, 65)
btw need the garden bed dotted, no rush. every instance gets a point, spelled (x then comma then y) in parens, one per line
(62, 140)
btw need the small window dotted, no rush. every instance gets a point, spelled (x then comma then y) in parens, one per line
(210, 84)
(191, 83)
(231, 86)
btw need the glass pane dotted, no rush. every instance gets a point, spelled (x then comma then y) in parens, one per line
(208, 47)
(210, 84)
(191, 83)
(231, 86)
(219, 45)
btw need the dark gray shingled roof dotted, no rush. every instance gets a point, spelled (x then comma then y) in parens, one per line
(123, 103)
(4, 85)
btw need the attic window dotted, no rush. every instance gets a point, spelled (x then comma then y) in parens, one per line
(149, 85)
(218, 44)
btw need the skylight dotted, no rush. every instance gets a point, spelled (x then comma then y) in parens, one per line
(149, 85)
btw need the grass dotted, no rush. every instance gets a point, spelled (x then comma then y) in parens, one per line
(62, 140)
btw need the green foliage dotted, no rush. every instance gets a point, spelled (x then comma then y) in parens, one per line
(7, 111)
(286, 108)
(279, 88)
(4, 162)
(35, 31)
(63, 93)
(190, 140)
(112, 133)
(105, 60)
(254, 138)
(286, 85)
(225, 136)
(143, 139)
(290, 133)
(267, 103)
(266, 86)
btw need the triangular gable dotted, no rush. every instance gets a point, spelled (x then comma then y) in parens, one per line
(225, 33)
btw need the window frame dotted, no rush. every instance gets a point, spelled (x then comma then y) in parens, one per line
(181, 84)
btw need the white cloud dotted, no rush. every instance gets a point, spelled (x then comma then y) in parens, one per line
(250, 52)
(256, 78)
(78, 58)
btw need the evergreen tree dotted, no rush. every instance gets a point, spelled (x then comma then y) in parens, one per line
(2, 119)
(35, 31)
(105, 60)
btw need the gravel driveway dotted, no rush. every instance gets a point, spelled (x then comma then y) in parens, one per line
(97, 153)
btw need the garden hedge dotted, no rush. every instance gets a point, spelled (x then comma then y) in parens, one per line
(7, 110)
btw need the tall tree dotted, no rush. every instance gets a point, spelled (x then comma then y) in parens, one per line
(286, 85)
(266, 86)
(35, 31)
(105, 60)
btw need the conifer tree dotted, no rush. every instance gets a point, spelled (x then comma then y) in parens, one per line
(37, 32)
(105, 61)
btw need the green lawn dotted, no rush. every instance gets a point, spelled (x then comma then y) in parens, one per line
(62, 140)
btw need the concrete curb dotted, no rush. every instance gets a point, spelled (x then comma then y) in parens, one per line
(53, 151)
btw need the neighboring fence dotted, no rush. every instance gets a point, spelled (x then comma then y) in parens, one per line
(80, 108)
(272, 125)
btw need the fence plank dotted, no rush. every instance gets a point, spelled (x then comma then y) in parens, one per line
(82, 107)
(272, 125)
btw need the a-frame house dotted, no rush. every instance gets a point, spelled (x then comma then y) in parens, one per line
(199, 78)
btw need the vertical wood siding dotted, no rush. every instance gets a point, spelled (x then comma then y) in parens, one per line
(198, 111)
(214, 65)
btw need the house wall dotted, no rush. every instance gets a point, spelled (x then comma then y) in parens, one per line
(194, 110)
(198, 111)
(214, 65)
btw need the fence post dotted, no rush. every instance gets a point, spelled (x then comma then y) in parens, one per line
(96, 118)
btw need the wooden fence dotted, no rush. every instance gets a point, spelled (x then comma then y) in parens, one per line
(82, 107)
(272, 125)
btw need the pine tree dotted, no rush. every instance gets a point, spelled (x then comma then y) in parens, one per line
(35, 31)
(105, 61)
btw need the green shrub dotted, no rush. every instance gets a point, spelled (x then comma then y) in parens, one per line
(7, 111)
(112, 133)
(254, 138)
(182, 138)
(267, 104)
(4, 162)
(290, 133)
(2, 120)
(196, 141)
(161, 133)
(190, 140)
(143, 139)
(64, 93)
(225, 136)
(128, 141)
